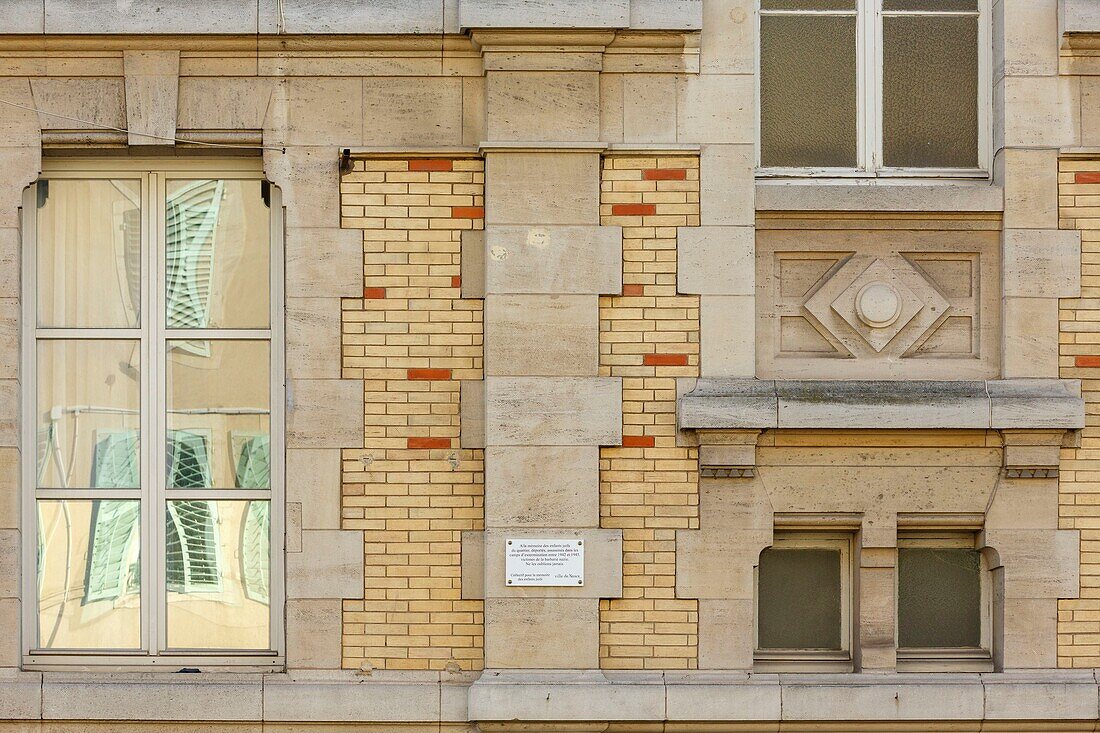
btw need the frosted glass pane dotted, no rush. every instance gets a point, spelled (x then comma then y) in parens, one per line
(799, 599)
(950, 5)
(930, 91)
(808, 4)
(89, 253)
(939, 598)
(808, 91)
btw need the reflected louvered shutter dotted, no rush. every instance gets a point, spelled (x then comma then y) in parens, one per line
(253, 460)
(111, 571)
(192, 218)
(191, 541)
(255, 551)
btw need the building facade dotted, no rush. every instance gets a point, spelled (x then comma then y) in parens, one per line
(549, 365)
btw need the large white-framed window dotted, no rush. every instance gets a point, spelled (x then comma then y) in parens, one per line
(153, 396)
(804, 602)
(875, 88)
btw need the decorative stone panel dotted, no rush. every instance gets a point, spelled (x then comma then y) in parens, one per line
(884, 299)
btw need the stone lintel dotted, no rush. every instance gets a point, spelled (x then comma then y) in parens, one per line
(868, 405)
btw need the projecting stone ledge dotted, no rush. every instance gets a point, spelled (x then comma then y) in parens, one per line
(717, 404)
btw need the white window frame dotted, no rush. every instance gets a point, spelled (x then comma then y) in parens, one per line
(947, 659)
(869, 55)
(810, 660)
(153, 335)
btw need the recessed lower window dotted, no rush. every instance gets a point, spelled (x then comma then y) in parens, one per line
(803, 597)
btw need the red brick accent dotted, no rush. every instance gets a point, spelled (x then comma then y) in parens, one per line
(467, 212)
(429, 375)
(633, 209)
(456, 281)
(665, 359)
(1087, 361)
(374, 293)
(428, 443)
(637, 441)
(430, 164)
(1087, 177)
(665, 174)
(633, 289)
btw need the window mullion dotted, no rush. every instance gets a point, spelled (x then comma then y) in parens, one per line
(155, 400)
(871, 100)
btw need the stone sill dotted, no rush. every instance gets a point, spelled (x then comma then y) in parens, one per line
(542, 696)
(939, 195)
(974, 405)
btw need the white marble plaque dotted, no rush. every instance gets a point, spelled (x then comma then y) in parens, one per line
(544, 562)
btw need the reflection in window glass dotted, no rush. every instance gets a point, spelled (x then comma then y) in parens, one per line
(87, 415)
(939, 597)
(89, 574)
(799, 599)
(89, 253)
(216, 255)
(218, 569)
(219, 416)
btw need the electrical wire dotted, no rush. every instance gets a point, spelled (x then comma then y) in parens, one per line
(150, 135)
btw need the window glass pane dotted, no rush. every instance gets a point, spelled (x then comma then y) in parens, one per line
(217, 565)
(88, 413)
(217, 239)
(218, 414)
(799, 605)
(89, 574)
(89, 253)
(808, 91)
(949, 5)
(939, 598)
(807, 4)
(930, 91)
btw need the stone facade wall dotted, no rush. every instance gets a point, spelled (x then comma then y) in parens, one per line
(649, 487)
(412, 339)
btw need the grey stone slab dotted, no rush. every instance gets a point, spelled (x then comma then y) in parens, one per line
(23, 16)
(684, 15)
(544, 13)
(884, 405)
(152, 696)
(730, 403)
(547, 187)
(99, 101)
(553, 411)
(376, 16)
(720, 696)
(566, 696)
(1080, 16)
(936, 196)
(885, 697)
(324, 413)
(542, 486)
(716, 260)
(138, 16)
(1038, 563)
(1051, 695)
(1042, 263)
(326, 261)
(20, 692)
(330, 565)
(603, 563)
(313, 633)
(313, 338)
(313, 480)
(1036, 403)
(542, 633)
(542, 335)
(553, 259)
(304, 697)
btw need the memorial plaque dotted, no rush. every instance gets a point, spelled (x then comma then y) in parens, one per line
(544, 562)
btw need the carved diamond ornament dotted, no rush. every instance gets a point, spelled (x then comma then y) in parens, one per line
(883, 300)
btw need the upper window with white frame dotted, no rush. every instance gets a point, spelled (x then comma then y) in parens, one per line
(153, 447)
(874, 87)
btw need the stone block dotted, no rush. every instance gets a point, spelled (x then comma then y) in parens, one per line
(10, 652)
(1039, 111)
(877, 620)
(1030, 337)
(716, 260)
(9, 413)
(727, 185)
(1024, 504)
(603, 563)
(313, 632)
(313, 480)
(19, 127)
(882, 698)
(685, 15)
(1079, 16)
(151, 696)
(729, 403)
(309, 178)
(1036, 403)
(936, 195)
(330, 565)
(313, 338)
(576, 696)
(9, 258)
(167, 17)
(471, 401)
(324, 413)
(542, 188)
(717, 108)
(1030, 633)
(728, 41)
(1042, 263)
(473, 263)
(324, 111)
(1030, 39)
(152, 95)
(1031, 188)
(693, 696)
(543, 105)
(375, 17)
(24, 16)
(474, 122)
(726, 633)
(100, 101)
(727, 335)
(473, 565)
(547, 14)
(1090, 111)
(727, 455)
(10, 320)
(9, 488)
(553, 259)
(542, 633)
(542, 335)
(553, 411)
(10, 552)
(309, 697)
(885, 405)
(294, 526)
(1061, 695)
(1038, 563)
(403, 111)
(611, 107)
(707, 571)
(223, 102)
(324, 261)
(648, 114)
(542, 486)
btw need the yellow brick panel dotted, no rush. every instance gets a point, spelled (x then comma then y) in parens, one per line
(411, 338)
(649, 336)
